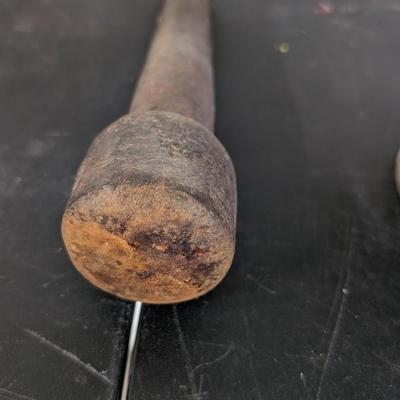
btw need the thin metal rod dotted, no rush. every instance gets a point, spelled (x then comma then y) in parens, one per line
(133, 335)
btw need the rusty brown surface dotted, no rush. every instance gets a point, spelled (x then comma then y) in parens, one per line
(178, 74)
(152, 214)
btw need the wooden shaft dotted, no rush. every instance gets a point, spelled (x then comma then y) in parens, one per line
(178, 75)
(152, 213)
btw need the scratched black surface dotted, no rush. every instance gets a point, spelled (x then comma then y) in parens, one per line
(66, 70)
(310, 309)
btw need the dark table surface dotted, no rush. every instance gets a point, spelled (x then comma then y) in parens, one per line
(307, 106)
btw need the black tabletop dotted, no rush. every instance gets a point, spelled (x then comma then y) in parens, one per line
(307, 95)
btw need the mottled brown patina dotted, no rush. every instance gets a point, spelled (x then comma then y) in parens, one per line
(152, 214)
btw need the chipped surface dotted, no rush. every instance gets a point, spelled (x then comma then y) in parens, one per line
(152, 214)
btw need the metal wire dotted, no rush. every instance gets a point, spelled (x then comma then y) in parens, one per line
(130, 351)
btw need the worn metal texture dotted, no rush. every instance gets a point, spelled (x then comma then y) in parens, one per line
(152, 214)
(178, 76)
(152, 211)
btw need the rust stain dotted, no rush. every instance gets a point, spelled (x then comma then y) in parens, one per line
(145, 261)
(152, 214)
